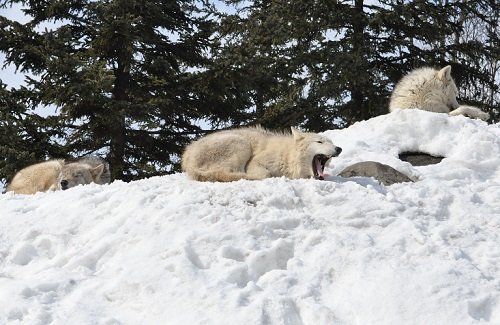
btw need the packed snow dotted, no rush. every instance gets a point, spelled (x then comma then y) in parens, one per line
(169, 250)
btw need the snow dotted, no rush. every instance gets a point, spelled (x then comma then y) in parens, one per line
(168, 250)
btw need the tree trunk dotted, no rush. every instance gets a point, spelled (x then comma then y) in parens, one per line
(118, 125)
(359, 78)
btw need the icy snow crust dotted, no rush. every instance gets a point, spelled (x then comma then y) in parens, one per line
(168, 250)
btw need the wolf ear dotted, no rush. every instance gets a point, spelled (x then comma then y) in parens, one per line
(445, 73)
(97, 171)
(297, 134)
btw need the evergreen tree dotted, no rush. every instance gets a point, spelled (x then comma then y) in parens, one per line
(24, 138)
(121, 72)
(478, 75)
(326, 64)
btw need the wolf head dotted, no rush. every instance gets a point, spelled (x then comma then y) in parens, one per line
(95, 161)
(74, 174)
(314, 151)
(426, 88)
(445, 82)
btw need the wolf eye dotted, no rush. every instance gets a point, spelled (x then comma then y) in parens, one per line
(319, 141)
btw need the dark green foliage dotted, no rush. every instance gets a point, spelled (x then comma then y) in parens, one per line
(118, 71)
(327, 64)
(24, 138)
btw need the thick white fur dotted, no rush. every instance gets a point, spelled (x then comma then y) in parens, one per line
(41, 177)
(85, 170)
(470, 111)
(48, 175)
(431, 90)
(254, 153)
(78, 173)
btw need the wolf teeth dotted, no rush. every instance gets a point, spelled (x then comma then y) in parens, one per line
(318, 163)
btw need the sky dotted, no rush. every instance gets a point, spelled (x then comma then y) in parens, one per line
(8, 74)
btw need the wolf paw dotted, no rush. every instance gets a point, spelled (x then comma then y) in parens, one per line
(470, 111)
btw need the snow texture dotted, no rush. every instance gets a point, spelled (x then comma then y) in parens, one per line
(168, 250)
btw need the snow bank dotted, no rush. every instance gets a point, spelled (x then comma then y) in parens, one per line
(168, 250)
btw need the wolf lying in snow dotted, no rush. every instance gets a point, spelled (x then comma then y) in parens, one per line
(59, 174)
(431, 90)
(75, 172)
(256, 153)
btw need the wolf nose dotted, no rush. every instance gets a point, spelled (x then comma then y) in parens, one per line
(64, 184)
(338, 150)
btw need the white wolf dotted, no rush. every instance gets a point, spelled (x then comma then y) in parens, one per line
(84, 171)
(431, 90)
(59, 174)
(255, 153)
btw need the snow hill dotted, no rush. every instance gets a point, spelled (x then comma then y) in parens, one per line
(168, 250)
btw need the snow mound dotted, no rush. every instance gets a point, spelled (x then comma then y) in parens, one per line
(168, 250)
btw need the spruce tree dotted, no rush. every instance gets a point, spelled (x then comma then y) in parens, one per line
(477, 55)
(327, 64)
(24, 138)
(122, 73)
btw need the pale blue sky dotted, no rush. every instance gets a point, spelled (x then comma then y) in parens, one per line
(8, 74)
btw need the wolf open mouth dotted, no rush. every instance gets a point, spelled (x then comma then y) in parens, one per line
(318, 165)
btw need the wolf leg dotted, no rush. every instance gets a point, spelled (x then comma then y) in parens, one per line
(256, 171)
(228, 175)
(218, 175)
(470, 111)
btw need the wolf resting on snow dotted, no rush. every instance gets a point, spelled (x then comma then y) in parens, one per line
(59, 174)
(431, 90)
(256, 153)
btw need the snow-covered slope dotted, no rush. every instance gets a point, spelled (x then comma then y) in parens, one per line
(168, 250)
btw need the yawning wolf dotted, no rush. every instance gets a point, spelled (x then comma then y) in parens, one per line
(255, 153)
